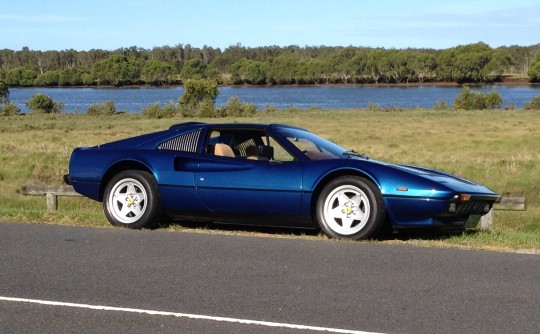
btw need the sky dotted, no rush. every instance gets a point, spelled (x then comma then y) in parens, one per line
(113, 24)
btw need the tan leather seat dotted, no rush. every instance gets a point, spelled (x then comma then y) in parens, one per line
(223, 150)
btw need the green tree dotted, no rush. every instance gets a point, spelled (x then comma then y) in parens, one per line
(282, 69)
(473, 63)
(246, 71)
(20, 76)
(4, 92)
(340, 62)
(72, 76)
(41, 103)
(534, 69)
(422, 66)
(49, 78)
(117, 70)
(193, 69)
(157, 72)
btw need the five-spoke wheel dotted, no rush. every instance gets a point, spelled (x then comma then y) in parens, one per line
(350, 207)
(131, 200)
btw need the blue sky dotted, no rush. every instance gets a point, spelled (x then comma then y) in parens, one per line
(98, 24)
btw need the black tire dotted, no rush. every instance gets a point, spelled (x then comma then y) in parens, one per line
(350, 207)
(131, 199)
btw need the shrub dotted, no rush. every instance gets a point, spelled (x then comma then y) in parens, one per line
(41, 103)
(196, 92)
(155, 111)
(237, 108)
(441, 105)
(373, 106)
(493, 100)
(105, 108)
(9, 109)
(393, 107)
(270, 109)
(207, 109)
(469, 100)
(533, 104)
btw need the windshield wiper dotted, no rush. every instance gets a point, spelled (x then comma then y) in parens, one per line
(353, 153)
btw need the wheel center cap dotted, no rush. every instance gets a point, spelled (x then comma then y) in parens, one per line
(348, 209)
(131, 200)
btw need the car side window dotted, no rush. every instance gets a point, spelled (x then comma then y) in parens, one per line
(187, 142)
(280, 153)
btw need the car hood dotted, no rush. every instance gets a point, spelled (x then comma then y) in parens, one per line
(419, 181)
(454, 182)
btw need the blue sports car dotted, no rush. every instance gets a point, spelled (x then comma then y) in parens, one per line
(268, 174)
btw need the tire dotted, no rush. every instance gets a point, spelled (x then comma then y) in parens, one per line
(350, 207)
(131, 199)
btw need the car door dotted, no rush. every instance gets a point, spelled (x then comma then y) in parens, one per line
(230, 185)
(237, 185)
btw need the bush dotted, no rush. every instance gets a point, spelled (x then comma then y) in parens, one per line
(105, 108)
(238, 108)
(533, 104)
(197, 91)
(373, 106)
(207, 109)
(155, 110)
(469, 100)
(41, 103)
(9, 109)
(493, 100)
(441, 105)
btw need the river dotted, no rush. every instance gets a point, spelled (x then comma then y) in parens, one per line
(135, 99)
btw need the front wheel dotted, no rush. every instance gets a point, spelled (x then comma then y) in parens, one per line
(131, 200)
(350, 207)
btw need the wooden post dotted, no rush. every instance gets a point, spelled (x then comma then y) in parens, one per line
(52, 202)
(486, 221)
(507, 203)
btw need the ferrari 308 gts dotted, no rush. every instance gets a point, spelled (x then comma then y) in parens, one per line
(268, 174)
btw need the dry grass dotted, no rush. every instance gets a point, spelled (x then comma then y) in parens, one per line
(500, 149)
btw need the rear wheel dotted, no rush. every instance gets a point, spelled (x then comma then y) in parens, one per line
(350, 207)
(131, 200)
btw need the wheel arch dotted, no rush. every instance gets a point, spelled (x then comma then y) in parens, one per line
(332, 176)
(119, 167)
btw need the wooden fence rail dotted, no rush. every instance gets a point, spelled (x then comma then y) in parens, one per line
(507, 203)
(52, 192)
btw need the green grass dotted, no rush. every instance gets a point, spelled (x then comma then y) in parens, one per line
(500, 149)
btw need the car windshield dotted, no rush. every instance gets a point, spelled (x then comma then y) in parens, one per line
(311, 145)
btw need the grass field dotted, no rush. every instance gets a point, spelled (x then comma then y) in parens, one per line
(500, 149)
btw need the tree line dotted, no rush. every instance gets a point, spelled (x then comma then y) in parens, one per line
(269, 65)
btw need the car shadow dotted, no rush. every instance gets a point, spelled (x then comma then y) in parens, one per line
(386, 235)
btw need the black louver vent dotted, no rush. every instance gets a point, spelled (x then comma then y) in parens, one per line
(469, 208)
(188, 142)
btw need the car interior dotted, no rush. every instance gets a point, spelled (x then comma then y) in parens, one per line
(244, 144)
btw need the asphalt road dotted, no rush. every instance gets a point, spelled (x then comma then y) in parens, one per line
(285, 282)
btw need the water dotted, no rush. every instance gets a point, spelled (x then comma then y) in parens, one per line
(325, 97)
